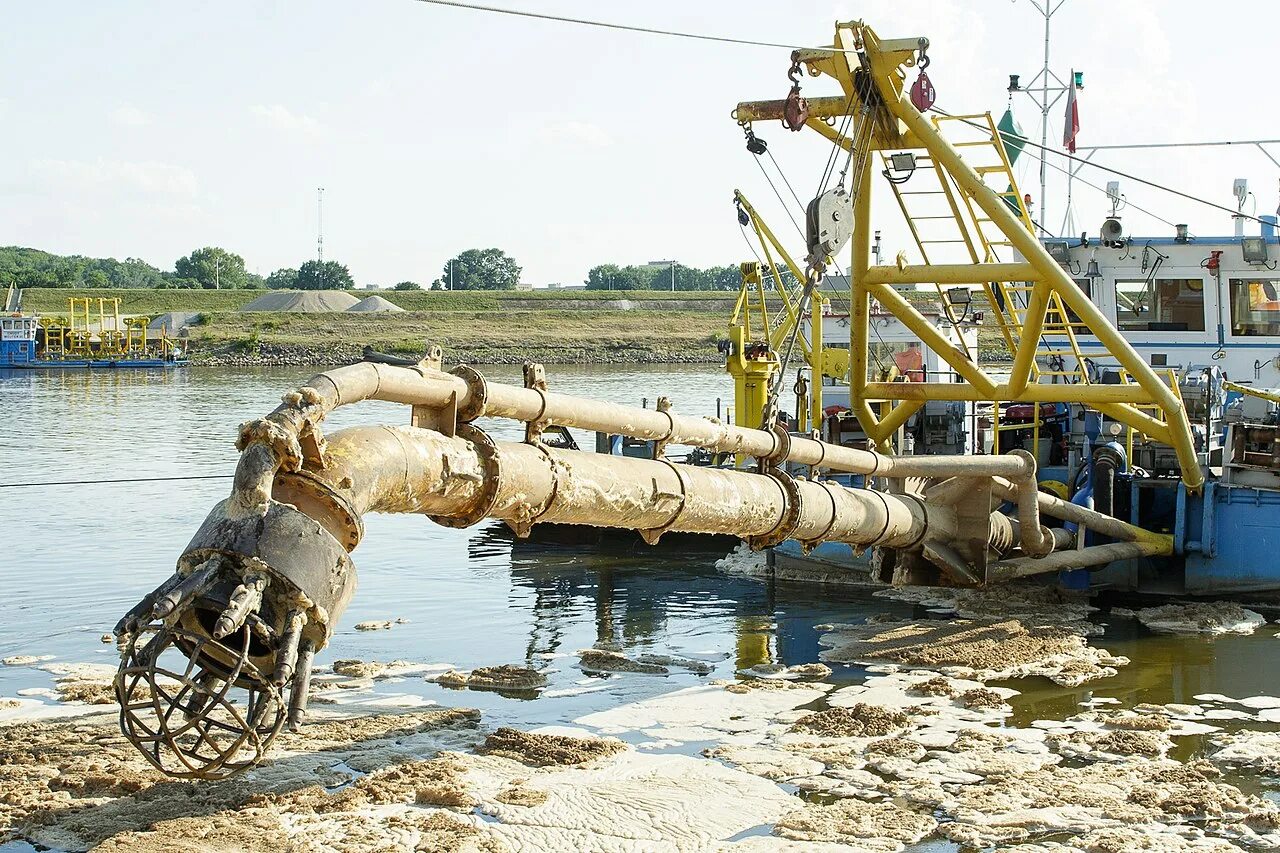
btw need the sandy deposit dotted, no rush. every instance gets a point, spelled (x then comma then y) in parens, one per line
(1217, 617)
(745, 562)
(173, 322)
(908, 755)
(374, 303)
(996, 786)
(307, 301)
(1030, 602)
(506, 676)
(980, 650)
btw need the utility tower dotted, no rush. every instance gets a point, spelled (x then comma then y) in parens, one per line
(320, 224)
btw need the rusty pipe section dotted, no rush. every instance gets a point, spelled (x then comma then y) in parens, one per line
(471, 396)
(467, 477)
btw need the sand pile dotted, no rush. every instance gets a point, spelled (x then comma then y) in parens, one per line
(600, 660)
(173, 322)
(1030, 602)
(1216, 617)
(981, 650)
(503, 677)
(374, 303)
(860, 720)
(540, 750)
(858, 824)
(306, 301)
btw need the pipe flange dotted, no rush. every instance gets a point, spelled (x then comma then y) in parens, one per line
(478, 393)
(324, 502)
(663, 406)
(782, 445)
(488, 452)
(924, 528)
(653, 534)
(790, 513)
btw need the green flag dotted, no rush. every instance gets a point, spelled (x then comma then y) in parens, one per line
(1012, 136)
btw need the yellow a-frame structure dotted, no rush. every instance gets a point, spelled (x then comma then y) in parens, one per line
(872, 73)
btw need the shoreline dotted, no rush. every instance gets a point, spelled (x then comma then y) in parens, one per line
(309, 355)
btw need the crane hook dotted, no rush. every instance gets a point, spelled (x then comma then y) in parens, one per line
(795, 111)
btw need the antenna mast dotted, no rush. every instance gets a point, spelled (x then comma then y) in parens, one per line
(1039, 90)
(320, 224)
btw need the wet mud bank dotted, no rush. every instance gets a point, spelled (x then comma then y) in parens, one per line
(914, 728)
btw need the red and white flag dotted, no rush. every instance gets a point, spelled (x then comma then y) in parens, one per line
(1071, 121)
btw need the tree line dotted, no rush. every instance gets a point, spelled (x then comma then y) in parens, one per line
(213, 267)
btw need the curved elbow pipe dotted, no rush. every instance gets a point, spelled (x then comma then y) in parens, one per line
(1037, 540)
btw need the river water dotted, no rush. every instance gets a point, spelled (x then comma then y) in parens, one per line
(75, 557)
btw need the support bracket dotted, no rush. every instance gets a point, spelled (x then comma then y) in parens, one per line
(535, 379)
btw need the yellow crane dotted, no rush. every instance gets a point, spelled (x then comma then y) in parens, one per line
(874, 112)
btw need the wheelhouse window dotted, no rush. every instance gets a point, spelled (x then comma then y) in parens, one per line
(1160, 305)
(1255, 306)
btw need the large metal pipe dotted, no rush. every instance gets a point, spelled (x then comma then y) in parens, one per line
(1095, 555)
(433, 389)
(406, 469)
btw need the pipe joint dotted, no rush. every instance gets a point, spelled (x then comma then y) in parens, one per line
(791, 512)
(477, 393)
(490, 460)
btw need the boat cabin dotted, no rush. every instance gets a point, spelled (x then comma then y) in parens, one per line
(17, 339)
(1183, 301)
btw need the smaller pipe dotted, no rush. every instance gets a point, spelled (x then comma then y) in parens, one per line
(1096, 555)
(1036, 539)
(301, 685)
(1095, 521)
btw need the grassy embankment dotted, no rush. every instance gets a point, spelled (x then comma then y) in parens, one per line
(478, 327)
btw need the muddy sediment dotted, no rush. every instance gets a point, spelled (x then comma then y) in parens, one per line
(79, 783)
(854, 822)
(604, 661)
(981, 650)
(861, 720)
(1212, 617)
(501, 677)
(541, 750)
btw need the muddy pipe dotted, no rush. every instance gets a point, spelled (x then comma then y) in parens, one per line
(259, 588)
(1056, 507)
(469, 394)
(1095, 555)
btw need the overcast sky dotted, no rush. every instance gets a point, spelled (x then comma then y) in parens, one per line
(147, 129)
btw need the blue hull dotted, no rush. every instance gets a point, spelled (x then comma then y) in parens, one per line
(96, 364)
(1225, 543)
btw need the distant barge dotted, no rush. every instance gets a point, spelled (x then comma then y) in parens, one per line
(76, 343)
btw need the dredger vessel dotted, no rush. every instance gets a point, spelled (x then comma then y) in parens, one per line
(217, 659)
